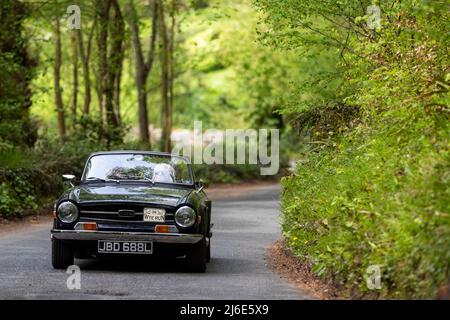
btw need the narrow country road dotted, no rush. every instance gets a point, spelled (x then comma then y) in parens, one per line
(245, 224)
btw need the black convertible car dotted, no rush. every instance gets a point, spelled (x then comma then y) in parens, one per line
(133, 203)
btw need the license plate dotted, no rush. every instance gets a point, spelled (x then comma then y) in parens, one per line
(154, 215)
(132, 247)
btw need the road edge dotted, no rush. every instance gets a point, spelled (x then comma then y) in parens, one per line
(281, 260)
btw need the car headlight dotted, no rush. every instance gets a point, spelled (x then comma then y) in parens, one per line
(185, 217)
(67, 212)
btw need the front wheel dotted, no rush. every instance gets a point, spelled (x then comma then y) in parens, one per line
(62, 255)
(196, 257)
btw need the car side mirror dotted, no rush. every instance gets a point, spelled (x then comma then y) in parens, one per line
(69, 178)
(200, 185)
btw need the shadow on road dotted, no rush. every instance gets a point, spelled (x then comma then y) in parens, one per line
(156, 265)
(133, 264)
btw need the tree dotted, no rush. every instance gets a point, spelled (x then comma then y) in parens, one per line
(171, 76)
(85, 55)
(109, 62)
(116, 57)
(165, 86)
(57, 78)
(74, 102)
(143, 67)
(16, 72)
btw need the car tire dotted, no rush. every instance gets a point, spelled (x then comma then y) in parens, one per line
(208, 251)
(196, 257)
(62, 255)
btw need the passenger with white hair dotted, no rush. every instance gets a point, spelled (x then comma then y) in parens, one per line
(163, 172)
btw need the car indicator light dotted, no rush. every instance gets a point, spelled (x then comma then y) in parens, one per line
(87, 226)
(160, 228)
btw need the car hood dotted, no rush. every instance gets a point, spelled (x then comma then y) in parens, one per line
(170, 196)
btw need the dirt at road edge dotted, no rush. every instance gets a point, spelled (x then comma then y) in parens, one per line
(280, 259)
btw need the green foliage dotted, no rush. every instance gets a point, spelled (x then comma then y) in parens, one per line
(373, 199)
(30, 177)
(225, 173)
(16, 72)
(372, 188)
(223, 76)
(16, 195)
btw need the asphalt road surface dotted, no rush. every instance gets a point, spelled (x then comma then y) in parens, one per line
(244, 225)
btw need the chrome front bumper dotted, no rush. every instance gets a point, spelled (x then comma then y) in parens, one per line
(126, 236)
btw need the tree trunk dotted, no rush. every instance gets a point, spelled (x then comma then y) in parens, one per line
(115, 66)
(74, 102)
(57, 79)
(99, 94)
(164, 57)
(171, 63)
(143, 68)
(103, 8)
(116, 95)
(108, 64)
(85, 57)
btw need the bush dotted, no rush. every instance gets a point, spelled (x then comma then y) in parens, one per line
(375, 198)
(19, 191)
(31, 178)
(226, 173)
(374, 187)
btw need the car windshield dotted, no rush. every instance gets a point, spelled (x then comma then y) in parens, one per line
(135, 166)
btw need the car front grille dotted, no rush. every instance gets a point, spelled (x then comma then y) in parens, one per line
(128, 212)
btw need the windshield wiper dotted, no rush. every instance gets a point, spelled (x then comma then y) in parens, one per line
(95, 179)
(142, 178)
(150, 180)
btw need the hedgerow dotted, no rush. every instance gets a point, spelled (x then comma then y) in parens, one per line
(372, 184)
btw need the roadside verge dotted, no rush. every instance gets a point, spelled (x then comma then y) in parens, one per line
(282, 261)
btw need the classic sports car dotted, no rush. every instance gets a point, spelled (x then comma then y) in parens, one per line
(133, 203)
